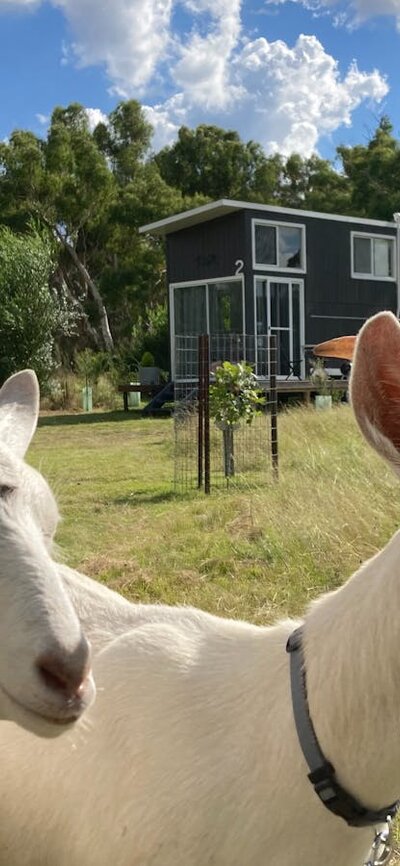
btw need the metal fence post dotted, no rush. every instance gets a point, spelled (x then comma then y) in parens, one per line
(203, 449)
(207, 449)
(274, 405)
(200, 403)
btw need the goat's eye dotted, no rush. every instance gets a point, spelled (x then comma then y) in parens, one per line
(6, 490)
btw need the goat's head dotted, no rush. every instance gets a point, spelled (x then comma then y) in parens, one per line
(374, 382)
(45, 679)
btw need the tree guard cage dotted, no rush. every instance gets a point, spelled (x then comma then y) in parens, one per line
(213, 455)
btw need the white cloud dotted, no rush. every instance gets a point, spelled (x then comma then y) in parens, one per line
(351, 12)
(372, 9)
(203, 67)
(297, 93)
(284, 96)
(22, 3)
(289, 97)
(42, 118)
(130, 37)
(166, 120)
(95, 116)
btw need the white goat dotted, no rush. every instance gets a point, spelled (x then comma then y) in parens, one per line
(44, 658)
(193, 758)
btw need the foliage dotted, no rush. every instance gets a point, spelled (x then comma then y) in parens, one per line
(151, 334)
(234, 396)
(31, 316)
(373, 173)
(320, 377)
(147, 360)
(64, 391)
(313, 184)
(90, 365)
(124, 139)
(93, 189)
(215, 163)
(105, 394)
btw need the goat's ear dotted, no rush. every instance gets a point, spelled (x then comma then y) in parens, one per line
(339, 347)
(375, 385)
(19, 409)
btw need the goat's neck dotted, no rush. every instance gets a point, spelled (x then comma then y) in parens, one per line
(353, 677)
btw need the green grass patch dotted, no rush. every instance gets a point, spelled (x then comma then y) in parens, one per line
(258, 553)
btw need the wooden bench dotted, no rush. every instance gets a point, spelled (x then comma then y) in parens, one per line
(149, 390)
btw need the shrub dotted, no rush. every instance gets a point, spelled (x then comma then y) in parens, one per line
(62, 391)
(151, 334)
(31, 315)
(320, 377)
(90, 365)
(105, 395)
(147, 360)
(234, 396)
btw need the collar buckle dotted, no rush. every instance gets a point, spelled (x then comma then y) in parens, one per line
(323, 782)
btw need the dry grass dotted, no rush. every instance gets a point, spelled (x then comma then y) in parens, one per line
(256, 553)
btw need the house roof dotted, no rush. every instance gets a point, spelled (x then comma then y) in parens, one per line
(224, 206)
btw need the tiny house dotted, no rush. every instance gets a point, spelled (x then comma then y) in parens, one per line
(241, 268)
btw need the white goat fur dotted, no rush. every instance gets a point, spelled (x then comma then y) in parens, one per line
(37, 620)
(191, 757)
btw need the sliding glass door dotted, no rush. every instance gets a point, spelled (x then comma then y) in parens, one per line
(190, 310)
(280, 311)
(215, 307)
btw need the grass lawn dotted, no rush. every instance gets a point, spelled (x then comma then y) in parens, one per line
(257, 553)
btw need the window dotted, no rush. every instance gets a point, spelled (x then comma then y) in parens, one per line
(225, 307)
(278, 246)
(190, 313)
(215, 307)
(373, 256)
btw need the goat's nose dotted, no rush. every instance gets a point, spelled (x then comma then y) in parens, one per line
(65, 673)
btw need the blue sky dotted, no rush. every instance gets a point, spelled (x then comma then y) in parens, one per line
(300, 75)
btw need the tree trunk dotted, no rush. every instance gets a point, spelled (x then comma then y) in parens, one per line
(94, 336)
(229, 457)
(104, 323)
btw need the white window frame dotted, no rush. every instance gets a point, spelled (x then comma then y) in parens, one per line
(297, 281)
(371, 237)
(189, 283)
(277, 225)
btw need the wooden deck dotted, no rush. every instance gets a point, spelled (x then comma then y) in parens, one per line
(304, 388)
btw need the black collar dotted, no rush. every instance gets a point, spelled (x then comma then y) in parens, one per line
(322, 774)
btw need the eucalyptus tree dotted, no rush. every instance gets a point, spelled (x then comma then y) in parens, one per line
(216, 163)
(92, 189)
(373, 171)
(65, 184)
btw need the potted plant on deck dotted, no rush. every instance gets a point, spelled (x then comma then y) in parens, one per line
(320, 378)
(148, 373)
(234, 398)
